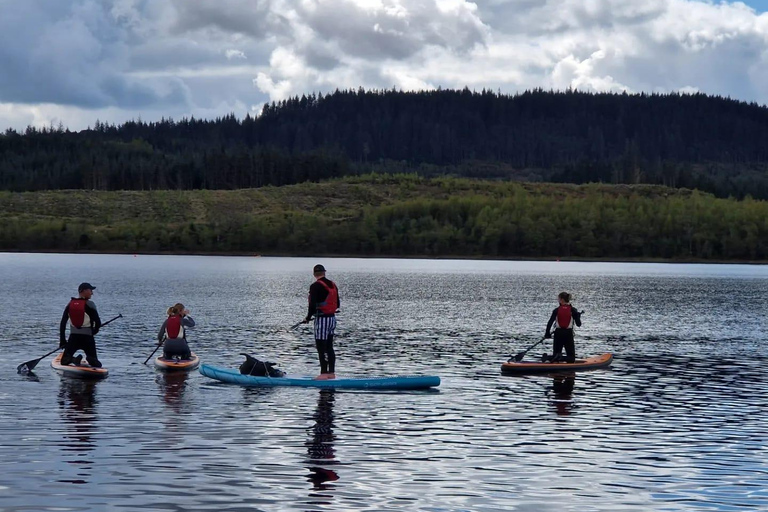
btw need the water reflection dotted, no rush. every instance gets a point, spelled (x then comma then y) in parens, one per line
(78, 406)
(172, 386)
(320, 448)
(561, 392)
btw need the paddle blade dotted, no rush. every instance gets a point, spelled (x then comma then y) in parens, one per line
(27, 367)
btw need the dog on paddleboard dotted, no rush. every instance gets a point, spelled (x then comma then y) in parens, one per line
(256, 368)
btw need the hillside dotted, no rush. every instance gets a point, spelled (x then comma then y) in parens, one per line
(404, 215)
(709, 143)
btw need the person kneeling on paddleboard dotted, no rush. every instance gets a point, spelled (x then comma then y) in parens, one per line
(323, 303)
(564, 317)
(84, 324)
(174, 333)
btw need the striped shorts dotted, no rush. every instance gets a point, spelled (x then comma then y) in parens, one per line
(324, 327)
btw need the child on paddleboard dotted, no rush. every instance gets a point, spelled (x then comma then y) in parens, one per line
(564, 317)
(175, 335)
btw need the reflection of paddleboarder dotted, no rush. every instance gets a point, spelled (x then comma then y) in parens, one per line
(77, 401)
(320, 449)
(562, 390)
(172, 385)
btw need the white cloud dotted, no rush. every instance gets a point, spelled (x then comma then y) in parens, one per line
(235, 54)
(78, 60)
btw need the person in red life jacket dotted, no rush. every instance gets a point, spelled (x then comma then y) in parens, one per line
(174, 333)
(323, 303)
(84, 324)
(564, 317)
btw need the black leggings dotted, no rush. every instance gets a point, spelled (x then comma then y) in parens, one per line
(81, 342)
(326, 355)
(176, 347)
(564, 338)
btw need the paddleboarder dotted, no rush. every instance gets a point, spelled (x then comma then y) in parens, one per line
(564, 317)
(324, 301)
(84, 324)
(174, 333)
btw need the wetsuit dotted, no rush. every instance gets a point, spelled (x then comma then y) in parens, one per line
(563, 335)
(81, 331)
(325, 322)
(176, 346)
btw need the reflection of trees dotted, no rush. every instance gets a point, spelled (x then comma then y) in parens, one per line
(320, 448)
(562, 392)
(77, 403)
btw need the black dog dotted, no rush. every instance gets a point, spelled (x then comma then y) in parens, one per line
(253, 366)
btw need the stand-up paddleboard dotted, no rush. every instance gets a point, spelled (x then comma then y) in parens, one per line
(590, 363)
(177, 365)
(84, 371)
(399, 382)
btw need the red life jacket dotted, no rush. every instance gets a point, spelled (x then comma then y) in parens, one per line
(331, 302)
(564, 317)
(77, 316)
(174, 328)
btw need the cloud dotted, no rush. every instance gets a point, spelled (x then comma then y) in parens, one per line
(79, 60)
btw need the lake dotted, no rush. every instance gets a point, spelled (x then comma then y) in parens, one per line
(676, 423)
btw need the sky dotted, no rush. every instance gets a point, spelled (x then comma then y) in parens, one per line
(78, 61)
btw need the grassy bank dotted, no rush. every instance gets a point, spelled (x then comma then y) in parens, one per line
(403, 215)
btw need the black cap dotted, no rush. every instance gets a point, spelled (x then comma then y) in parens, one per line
(85, 286)
(318, 268)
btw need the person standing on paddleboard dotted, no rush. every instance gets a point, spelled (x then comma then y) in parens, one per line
(84, 324)
(564, 317)
(323, 303)
(174, 333)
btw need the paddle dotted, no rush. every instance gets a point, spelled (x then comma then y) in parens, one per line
(30, 365)
(519, 356)
(153, 352)
(299, 323)
(112, 320)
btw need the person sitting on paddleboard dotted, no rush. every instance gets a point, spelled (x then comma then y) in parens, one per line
(323, 303)
(174, 333)
(84, 324)
(564, 317)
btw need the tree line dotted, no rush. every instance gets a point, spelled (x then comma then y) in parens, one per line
(399, 216)
(711, 143)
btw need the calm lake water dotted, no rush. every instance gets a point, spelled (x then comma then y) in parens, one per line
(677, 423)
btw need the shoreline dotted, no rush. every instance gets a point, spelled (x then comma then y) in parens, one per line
(552, 259)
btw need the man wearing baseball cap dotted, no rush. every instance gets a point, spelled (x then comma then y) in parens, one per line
(323, 303)
(84, 323)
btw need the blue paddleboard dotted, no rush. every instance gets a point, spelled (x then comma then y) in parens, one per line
(399, 382)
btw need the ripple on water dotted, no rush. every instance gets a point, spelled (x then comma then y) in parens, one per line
(676, 423)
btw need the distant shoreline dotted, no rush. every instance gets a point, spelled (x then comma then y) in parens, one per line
(396, 216)
(402, 257)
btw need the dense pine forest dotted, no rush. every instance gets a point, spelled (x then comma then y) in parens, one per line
(403, 215)
(713, 144)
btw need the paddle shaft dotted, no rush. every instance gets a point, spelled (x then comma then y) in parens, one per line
(153, 352)
(520, 355)
(299, 323)
(112, 320)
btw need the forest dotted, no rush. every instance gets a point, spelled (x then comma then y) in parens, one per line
(694, 141)
(395, 215)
